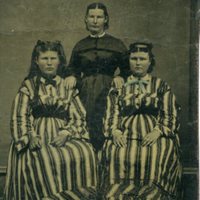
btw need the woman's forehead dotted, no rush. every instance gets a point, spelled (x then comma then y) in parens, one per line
(139, 53)
(48, 53)
(96, 11)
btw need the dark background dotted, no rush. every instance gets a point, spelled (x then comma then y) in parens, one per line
(170, 25)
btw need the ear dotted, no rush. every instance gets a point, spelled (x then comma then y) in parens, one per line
(106, 19)
(36, 60)
(149, 62)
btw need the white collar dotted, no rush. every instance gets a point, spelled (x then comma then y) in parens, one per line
(98, 36)
(145, 78)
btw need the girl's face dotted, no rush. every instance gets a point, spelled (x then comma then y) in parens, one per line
(48, 62)
(139, 63)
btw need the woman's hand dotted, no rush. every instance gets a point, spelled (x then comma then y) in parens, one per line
(151, 138)
(118, 138)
(35, 143)
(60, 140)
(70, 82)
(118, 82)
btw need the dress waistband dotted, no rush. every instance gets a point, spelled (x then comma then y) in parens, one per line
(49, 115)
(130, 110)
(41, 112)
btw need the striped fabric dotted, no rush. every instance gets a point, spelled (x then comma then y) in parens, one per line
(67, 172)
(136, 171)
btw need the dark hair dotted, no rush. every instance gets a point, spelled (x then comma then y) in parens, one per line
(43, 46)
(144, 47)
(99, 6)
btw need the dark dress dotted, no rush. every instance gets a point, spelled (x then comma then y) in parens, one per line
(93, 62)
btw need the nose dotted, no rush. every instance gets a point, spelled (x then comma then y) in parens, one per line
(49, 62)
(95, 20)
(138, 61)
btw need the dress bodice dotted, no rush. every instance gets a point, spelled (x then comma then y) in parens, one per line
(138, 96)
(97, 55)
(48, 100)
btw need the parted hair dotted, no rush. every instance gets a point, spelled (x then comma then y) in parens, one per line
(43, 46)
(99, 6)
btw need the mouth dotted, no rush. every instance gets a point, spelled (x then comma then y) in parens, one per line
(139, 68)
(93, 26)
(49, 69)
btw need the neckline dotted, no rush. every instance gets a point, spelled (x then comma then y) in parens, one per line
(55, 78)
(98, 36)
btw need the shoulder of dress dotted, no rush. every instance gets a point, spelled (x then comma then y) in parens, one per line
(27, 82)
(115, 42)
(24, 88)
(157, 79)
(71, 92)
(28, 85)
(162, 85)
(112, 37)
(163, 82)
(81, 43)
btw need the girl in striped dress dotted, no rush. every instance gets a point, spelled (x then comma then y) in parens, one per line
(141, 153)
(50, 155)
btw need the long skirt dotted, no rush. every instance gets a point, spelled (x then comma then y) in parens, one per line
(141, 172)
(93, 93)
(58, 173)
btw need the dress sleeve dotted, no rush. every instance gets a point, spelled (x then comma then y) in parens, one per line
(77, 118)
(112, 119)
(168, 121)
(21, 121)
(74, 67)
(123, 61)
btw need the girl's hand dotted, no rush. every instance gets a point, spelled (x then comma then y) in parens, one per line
(60, 140)
(118, 138)
(70, 82)
(35, 143)
(118, 82)
(151, 138)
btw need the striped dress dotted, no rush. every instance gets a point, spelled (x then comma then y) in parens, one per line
(136, 171)
(67, 172)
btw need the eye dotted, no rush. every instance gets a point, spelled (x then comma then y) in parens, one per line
(44, 58)
(53, 58)
(143, 58)
(91, 16)
(133, 58)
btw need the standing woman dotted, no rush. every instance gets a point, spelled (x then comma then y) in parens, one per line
(93, 64)
(50, 155)
(141, 153)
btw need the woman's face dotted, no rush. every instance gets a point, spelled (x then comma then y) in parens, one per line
(48, 62)
(139, 63)
(95, 21)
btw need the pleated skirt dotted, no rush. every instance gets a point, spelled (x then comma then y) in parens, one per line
(67, 172)
(141, 172)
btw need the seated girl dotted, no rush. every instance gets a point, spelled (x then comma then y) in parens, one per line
(141, 153)
(50, 155)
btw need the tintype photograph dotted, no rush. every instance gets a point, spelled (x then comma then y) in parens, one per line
(99, 99)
